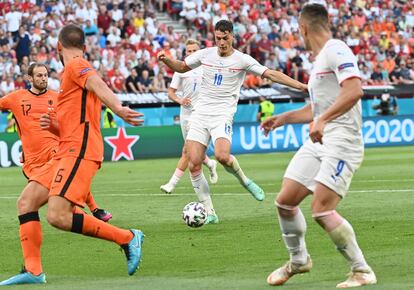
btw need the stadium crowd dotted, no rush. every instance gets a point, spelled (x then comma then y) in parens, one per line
(124, 37)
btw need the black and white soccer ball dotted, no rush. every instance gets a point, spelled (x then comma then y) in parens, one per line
(194, 214)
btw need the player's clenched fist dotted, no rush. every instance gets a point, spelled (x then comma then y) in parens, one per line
(161, 55)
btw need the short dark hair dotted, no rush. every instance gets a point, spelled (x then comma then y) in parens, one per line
(223, 26)
(34, 65)
(316, 16)
(72, 36)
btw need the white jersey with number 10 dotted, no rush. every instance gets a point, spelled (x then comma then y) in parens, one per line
(222, 79)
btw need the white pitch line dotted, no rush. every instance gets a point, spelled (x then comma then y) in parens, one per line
(242, 194)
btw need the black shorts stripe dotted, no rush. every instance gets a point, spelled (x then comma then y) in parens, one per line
(78, 160)
(83, 106)
(29, 217)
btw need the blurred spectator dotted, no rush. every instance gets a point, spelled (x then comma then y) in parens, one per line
(7, 84)
(13, 19)
(54, 83)
(377, 77)
(131, 82)
(90, 29)
(252, 82)
(144, 82)
(19, 83)
(118, 82)
(158, 83)
(22, 44)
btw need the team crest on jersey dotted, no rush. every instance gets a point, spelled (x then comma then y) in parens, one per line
(345, 65)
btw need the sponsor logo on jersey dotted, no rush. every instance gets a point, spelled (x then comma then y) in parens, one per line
(345, 65)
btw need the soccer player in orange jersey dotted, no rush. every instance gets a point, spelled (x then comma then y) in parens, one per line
(39, 147)
(80, 152)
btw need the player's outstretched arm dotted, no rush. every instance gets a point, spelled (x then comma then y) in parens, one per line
(96, 85)
(174, 64)
(302, 115)
(280, 78)
(351, 92)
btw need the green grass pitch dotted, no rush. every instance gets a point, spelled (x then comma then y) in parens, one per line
(238, 253)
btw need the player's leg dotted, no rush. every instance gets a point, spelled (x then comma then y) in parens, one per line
(97, 212)
(293, 227)
(70, 188)
(183, 162)
(298, 182)
(178, 173)
(342, 234)
(33, 196)
(196, 152)
(212, 168)
(222, 147)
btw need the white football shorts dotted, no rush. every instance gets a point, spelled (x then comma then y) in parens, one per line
(203, 128)
(332, 164)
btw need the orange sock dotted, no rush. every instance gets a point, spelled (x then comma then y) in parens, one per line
(90, 201)
(31, 241)
(89, 226)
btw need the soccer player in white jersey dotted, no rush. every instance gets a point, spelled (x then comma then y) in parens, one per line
(189, 84)
(325, 164)
(224, 70)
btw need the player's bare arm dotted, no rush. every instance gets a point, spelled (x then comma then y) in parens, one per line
(302, 115)
(281, 78)
(186, 101)
(175, 65)
(351, 92)
(96, 85)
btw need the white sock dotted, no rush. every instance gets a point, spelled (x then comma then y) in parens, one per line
(344, 238)
(235, 169)
(176, 176)
(208, 162)
(293, 233)
(202, 190)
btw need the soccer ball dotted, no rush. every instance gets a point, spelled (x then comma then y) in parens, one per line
(194, 214)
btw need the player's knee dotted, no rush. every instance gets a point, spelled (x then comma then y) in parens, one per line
(56, 219)
(194, 167)
(26, 204)
(222, 157)
(320, 205)
(22, 204)
(284, 210)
